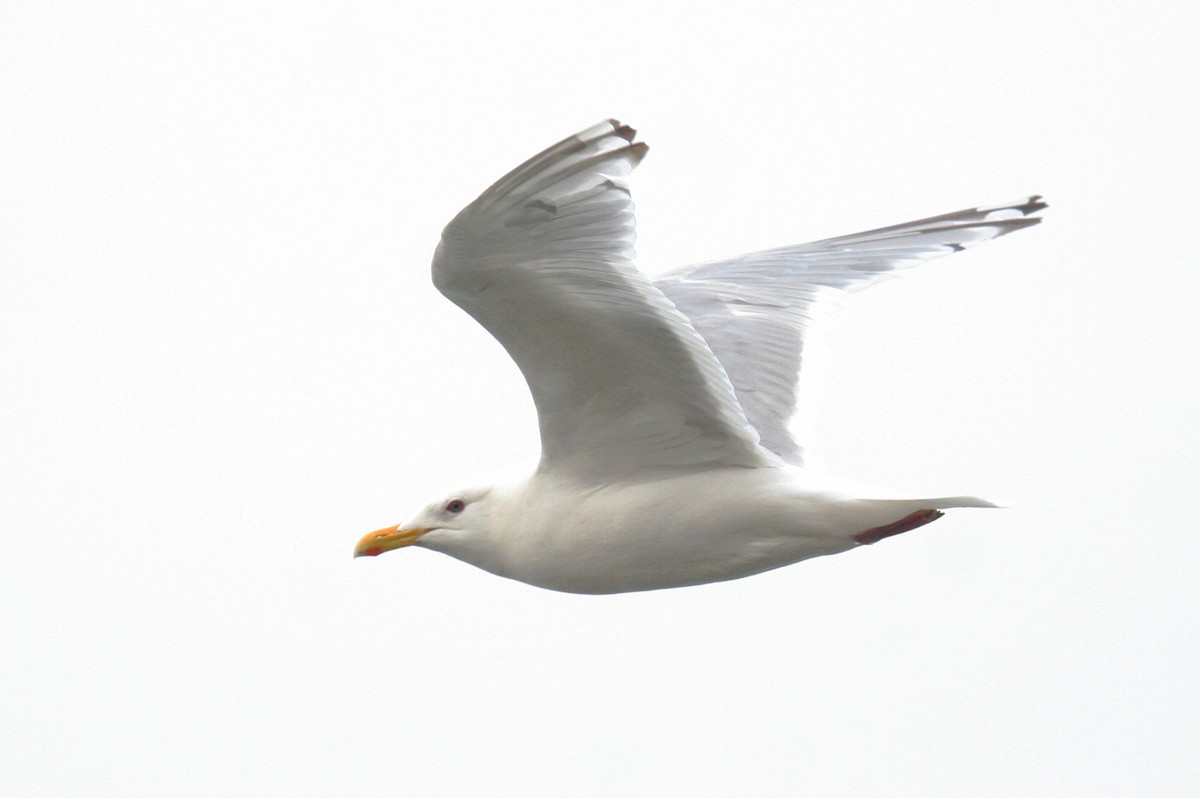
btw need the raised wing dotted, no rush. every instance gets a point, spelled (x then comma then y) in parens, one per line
(621, 380)
(762, 314)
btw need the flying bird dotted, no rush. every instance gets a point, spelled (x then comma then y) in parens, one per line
(664, 405)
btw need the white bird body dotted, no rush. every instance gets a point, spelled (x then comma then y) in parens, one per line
(668, 450)
(623, 536)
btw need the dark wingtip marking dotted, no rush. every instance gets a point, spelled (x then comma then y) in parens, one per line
(1033, 205)
(624, 131)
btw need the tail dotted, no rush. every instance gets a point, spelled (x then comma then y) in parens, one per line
(929, 510)
(947, 502)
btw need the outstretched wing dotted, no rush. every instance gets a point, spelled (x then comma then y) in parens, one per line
(621, 379)
(762, 313)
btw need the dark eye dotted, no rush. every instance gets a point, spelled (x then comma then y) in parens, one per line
(455, 506)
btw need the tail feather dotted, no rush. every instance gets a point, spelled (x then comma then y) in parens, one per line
(927, 511)
(946, 502)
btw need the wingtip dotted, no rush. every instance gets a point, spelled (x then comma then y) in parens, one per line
(624, 131)
(1034, 204)
(1013, 216)
(613, 127)
(608, 127)
(1030, 211)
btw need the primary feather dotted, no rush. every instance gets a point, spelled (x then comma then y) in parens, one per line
(762, 313)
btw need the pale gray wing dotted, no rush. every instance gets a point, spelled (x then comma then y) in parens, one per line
(762, 313)
(621, 379)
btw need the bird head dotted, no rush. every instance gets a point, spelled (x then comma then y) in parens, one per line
(452, 524)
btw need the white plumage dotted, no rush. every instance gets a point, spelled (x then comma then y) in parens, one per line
(664, 407)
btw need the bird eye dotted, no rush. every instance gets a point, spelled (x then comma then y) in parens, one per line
(455, 506)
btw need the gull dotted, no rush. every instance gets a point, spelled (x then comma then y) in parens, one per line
(668, 453)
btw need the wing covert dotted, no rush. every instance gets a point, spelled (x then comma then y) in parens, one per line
(620, 378)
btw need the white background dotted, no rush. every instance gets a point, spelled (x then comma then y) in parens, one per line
(222, 362)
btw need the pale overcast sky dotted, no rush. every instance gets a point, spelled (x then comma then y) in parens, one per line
(222, 362)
